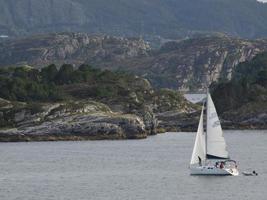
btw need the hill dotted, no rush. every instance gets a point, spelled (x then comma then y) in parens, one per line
(185, 64)
(191, 64)
(83, 103)
(168, 18)
(243, 100)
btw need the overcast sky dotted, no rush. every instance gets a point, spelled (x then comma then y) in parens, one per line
(263, 0)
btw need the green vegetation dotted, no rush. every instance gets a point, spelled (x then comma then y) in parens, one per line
(247, 90)
(114, 88)
(167, 100)
(26, 84)
(30, 97)
(50, 84)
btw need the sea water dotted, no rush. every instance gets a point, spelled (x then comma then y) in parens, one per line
(152, 169)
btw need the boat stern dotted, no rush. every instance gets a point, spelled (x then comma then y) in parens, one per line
(233, 171)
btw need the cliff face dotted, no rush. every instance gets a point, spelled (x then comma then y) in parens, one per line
(74, 48)
(190, 64)
(186, 65)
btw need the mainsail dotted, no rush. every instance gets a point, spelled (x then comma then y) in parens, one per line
(216, 146)
(199, 154)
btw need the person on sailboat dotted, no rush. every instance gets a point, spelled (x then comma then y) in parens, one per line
(199, 161)
(222, 165)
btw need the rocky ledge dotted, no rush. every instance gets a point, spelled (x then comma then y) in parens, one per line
(91, 120)
(86, 120)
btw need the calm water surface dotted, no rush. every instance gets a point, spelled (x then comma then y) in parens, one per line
(151, 169)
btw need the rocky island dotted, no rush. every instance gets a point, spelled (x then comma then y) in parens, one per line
(79, 102)
(82, 104)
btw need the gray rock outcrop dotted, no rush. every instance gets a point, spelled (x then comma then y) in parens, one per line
(92, 120)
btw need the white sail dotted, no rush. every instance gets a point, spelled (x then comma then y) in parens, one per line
(216, 146)
(199, 147)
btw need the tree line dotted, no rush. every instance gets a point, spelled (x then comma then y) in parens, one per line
(30, 84)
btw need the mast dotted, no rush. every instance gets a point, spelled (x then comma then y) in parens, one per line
(206, 135)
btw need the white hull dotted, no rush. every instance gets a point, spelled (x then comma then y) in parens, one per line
(211, 170)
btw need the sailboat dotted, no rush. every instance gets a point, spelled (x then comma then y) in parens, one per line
(210, 156)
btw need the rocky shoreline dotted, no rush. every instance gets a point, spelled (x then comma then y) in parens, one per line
(86, 120)
(111, 119)
(92, 120)
(95, 121)
(88, 127)
(108, 106)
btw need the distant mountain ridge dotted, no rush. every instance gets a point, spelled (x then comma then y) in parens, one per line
(168, 18)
